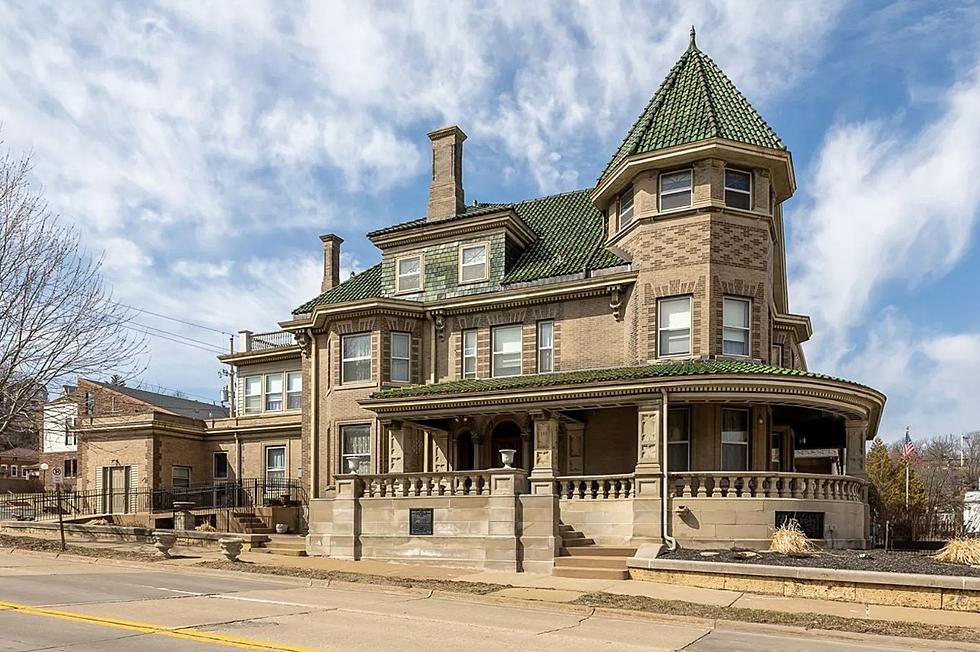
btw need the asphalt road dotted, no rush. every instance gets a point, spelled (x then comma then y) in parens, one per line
(62, 604)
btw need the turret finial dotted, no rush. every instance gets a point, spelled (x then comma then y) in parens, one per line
(693, 44)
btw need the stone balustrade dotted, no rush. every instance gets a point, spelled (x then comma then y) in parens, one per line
(595, 487)
(415, 485)
(763, 484)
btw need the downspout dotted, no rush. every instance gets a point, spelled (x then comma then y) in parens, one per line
(669, 540)
(314, 404)
(432, 345)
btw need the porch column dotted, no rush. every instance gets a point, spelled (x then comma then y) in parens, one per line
(477, 457)
(440, 450)
(575, 448)
(396, 446)
(646, 489)
(526, 448)
(857, 432)
(545, 466)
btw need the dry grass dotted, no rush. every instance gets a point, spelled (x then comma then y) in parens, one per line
(205, 527)
(789, 539)
(960, 551)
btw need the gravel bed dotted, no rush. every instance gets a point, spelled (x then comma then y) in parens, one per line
(54, 545)
(892, 561)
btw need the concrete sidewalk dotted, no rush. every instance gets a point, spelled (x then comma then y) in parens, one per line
(546, 588)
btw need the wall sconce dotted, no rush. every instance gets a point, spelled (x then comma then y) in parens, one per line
(116, 463)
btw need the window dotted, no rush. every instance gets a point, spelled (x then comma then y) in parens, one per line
(253, 394)
(408, 277)
(736, 331)
(356, 367)
(356, 453)
(546, 347)
(507, 351)
(473, 263)
(734, 440)
(626, 208)
(71, 468)
(273, 392)
(738, 189)
(180, 477)
(401, 344)
(674, 326)
(469, 354)
(678, 439)
(89, 403)
(675, 190)
(294, 390)
(13, 470)
(70, 439)
(220, 466)
(777, 355)
(275, 464)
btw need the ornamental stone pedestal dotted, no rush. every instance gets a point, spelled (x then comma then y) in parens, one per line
(647, 509)
(539, 513)
(854, 463)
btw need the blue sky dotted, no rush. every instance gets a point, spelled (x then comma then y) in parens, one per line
(203, 147)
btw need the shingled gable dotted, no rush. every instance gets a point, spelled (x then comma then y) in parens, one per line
(695, 102)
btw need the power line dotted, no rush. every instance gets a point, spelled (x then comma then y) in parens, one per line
(182, 321)
(171, 333)
(173, 339)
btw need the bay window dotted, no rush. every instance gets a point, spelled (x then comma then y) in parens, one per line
(507, 345)
(674, 326)
(675, 190)
(738, 189)
(356, 358)
(736, 326)
(626, 207)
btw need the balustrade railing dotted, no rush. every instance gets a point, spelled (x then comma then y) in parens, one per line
(762, 484)
(270, 340)
(595, 487)
(456, 483)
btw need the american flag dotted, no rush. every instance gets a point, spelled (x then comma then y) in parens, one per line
(908, 451)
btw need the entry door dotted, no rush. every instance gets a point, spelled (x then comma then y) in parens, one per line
(117, 489)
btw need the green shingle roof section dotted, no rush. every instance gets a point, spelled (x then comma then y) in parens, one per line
(589, 376)
(570, 235)
(470, 211)
(695, 102)
(365, 285)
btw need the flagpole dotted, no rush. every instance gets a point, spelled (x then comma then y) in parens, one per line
(907, 461)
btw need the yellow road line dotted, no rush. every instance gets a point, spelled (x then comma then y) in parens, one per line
(146, 628)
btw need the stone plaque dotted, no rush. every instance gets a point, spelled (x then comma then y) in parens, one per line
(810, 522)
(420, 521)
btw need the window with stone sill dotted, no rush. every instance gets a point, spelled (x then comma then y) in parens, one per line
(275, 464)
(401, 357)
(507, 349)
(180, 477)
(294, 390)
(674, 326)
(738, 189)
(70, 468)
(273, 392)
(355, 358)
(355, 448)
(546, 346)
(676, 190)
(625, 203)
(469, 354)
(264, 392)
(408, 274)
(736, 328)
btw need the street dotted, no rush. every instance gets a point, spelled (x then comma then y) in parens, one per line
(64, 604)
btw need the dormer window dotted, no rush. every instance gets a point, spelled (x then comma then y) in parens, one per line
(626, 208)
(675, 190)
(408, 274)
(738, 189)
(473, 263)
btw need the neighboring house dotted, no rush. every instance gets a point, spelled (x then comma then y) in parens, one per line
(18, 469)
(971, 512)
(156, 439)
(630, 344)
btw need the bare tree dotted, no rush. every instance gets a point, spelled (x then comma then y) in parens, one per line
(57, 317)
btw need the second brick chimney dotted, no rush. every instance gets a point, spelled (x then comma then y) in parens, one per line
(446, 191)
(331, 261)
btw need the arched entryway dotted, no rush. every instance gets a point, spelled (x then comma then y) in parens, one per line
(506, 434)
(464, 451)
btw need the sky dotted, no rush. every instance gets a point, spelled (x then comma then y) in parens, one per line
(201, 147)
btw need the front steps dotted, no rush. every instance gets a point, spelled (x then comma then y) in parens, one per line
(580, 557)
(290, 545)
(251, 524)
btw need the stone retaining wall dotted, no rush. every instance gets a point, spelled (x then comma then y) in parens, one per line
(119, 533)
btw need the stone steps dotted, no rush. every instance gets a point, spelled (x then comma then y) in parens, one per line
(580, 557)
(598, 551)
(281, 550)
(591, 573)
(592, 561)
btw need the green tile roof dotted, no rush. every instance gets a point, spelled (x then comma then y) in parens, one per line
(695, 102)
(570, 235)
(365, 285)
(588, 376)
(470, 211)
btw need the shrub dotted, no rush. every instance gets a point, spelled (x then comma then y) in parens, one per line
(960, 551)
(789, 539)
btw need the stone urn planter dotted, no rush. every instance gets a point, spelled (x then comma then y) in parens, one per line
(230, 548)
(282, 528)
(507, 457)
(163, 542)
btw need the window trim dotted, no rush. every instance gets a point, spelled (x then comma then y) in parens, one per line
(462, 353)
(539, 348)
(369, 358)
(398, 276)
(246, 395)
(494, 354)
(750, 192)
(214, 465)
(287, 393)
(748, 328)
(344, 469)
(748, 439)
(690, 326)
(265, 461)
(266, 393)
(190, 475)
(687, 442)
(486, 262)
(620, 225)
(392, 358)
(660, 190)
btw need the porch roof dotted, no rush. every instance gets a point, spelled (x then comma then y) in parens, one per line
(611, 374)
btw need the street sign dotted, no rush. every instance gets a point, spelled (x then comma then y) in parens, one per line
(56, 472)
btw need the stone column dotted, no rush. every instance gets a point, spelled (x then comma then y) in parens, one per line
(545, 466)
(646, 489)
(396, 447)
(440, 451)
(477, 445)
(526, 438)
(854, 452)
(575, 448)
(345, 537)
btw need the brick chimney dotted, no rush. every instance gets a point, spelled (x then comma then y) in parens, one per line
(446, 192)
(331, 261)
